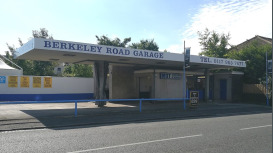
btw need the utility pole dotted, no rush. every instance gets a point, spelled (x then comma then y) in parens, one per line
(184, 79)
(266, 62)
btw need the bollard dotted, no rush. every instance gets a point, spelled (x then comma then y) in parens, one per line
(140, 105)
(76, 111)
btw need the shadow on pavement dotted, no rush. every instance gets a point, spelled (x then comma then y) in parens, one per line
(60, 119)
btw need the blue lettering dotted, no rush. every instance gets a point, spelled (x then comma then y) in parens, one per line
(93, 48)
(205, 60)
(71, 46)
(85, 48)
(140, 53)
(121, 52)
(108, 50)
(146, 54)
(79, 47)
(115, 51)
(63, 45)
(135, 53)
(99, 48)
(156, 55)
(160, 55)
(151, 54)
(127, 52)
(55, 45)
(47, 44)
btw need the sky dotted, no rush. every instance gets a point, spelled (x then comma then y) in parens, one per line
(168, 22)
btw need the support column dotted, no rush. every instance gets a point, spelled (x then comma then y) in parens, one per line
(207, 85)
(100, 76)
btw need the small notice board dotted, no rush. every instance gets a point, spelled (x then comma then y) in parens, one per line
(37, 81)
(13, 81)
(194, 98)
(47, 82)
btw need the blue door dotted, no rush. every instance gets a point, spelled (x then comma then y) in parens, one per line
(223, 89)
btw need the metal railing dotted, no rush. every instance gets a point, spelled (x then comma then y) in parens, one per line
(96, 100)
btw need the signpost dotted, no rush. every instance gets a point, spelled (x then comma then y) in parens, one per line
(186, 64)
(268, 67)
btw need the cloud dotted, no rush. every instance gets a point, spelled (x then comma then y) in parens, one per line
(242, 19)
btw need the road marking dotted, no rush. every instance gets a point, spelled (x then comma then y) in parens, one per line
(26, 130)
(138, 143)
(256, 127)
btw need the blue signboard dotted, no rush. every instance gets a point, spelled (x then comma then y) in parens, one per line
(2, 79)
(187, 57)
(176, 76)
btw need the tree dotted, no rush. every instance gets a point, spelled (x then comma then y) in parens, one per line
(214, 44)
(78, 70)
(146, 45)
(104, 40)
(254, 55)
(30, 67)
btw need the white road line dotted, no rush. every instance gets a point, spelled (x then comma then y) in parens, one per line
(138, 143)
(255, 127)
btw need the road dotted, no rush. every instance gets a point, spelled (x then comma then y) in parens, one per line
(226, 134)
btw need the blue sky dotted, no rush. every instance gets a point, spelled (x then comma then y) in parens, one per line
(168, 22)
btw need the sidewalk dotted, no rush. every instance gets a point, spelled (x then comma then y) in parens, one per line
(33, 116)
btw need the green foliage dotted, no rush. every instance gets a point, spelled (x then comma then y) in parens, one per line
(30, 67)
(146, 45)
(104, 40)
(254, 55)
(78, 70)
(214, 44)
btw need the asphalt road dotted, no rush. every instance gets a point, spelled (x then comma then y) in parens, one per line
(251, 133)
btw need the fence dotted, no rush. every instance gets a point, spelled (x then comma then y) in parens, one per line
(98, 100)
(254, 89)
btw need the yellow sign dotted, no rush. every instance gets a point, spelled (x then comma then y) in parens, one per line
(24, 82)
(13, 81)
(47, 82)
(37, 81)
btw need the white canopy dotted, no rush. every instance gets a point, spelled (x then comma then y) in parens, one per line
(3, 65)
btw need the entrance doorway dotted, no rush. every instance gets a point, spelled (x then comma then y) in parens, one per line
(223, 89)
(145, 87)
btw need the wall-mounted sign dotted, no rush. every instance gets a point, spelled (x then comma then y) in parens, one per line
(96, 49)
(221, 61)
(194, 98)
(175, 76)
(13, 81)
(47, 82)
(37, 81)
(24, 82)
(187, 57)
(2, 79)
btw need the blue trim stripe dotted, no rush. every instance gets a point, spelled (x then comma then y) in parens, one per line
(43, 97)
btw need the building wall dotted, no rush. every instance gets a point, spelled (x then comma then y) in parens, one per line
(168, 88)
(4, 72)
(121, 82)
(63, 88)
(159, 87)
